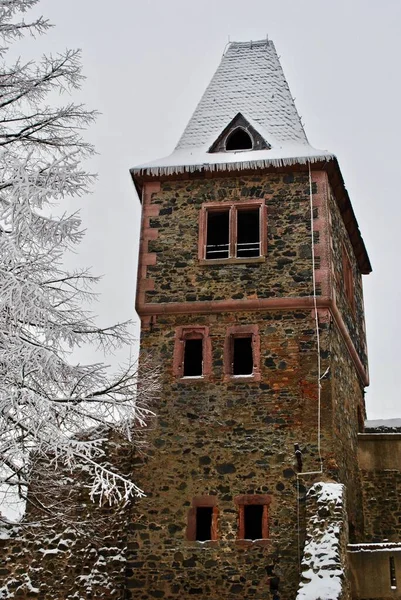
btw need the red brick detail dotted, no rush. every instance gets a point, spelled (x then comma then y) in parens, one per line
(233, 208)
(147, 233)
(348, 279)
(237, 331)
(200, 501)
(191, 332)
(321, 224)
(258, 304)
(248, 500)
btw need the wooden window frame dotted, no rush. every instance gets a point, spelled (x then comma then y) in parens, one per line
(237, 331)
(192, 332)
(202, 502)
(252, 500)
(233, 208)
(348, 278)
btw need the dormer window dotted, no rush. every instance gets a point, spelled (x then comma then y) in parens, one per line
(239, 139)
(238, 136)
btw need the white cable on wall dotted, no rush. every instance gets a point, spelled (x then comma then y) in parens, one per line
(319, 377)
(316, 321)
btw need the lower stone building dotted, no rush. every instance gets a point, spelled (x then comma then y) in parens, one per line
(260, 478)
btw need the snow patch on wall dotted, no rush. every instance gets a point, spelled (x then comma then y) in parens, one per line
(324, 557)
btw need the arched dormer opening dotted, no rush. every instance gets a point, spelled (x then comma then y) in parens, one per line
(239, 139)
(239, 135)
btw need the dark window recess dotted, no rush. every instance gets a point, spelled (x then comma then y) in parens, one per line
(193, 359)
(242, 356)
(253, 515)
(204, 523)
(248, 233)
(218, 227)
(239, 139)
(393, 580)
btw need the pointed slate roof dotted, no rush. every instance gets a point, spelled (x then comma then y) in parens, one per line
(250, 81)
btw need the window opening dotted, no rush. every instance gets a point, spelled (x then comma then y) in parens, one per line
(239, 139)
(204, 516)
(218, 228)
(393, 580)
(193, 358)
(253, 516)
(242, 356)
(248, 233)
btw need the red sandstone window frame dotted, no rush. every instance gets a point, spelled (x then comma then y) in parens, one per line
(202, 502)
(348, 278)
(238, 331)
(192, 332)
(252, 500)
(233, 208)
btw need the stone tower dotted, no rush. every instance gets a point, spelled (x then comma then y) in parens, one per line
(250, 298)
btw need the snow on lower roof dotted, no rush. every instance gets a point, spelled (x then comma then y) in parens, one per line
(383, 424)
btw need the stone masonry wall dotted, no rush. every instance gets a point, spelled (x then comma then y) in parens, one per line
(224, 437)
(79, 555)
(380, 465)
(227, 439)
(354, 317)
(348, 400)
(177, 274)
(324, 567)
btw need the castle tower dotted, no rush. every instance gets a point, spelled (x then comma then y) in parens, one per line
(250, 298)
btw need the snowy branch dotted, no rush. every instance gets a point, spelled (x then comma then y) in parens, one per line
(48, 404)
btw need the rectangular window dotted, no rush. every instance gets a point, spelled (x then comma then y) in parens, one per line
(393, 579)
(253, 519)
(232, 230)
(253, 516)
(248, 233)
(202, 519)
(193, 358)
(242, 352)
(217, 241)
(242, 356)
(192, 353)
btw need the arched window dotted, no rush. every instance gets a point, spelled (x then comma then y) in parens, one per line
(239, 139)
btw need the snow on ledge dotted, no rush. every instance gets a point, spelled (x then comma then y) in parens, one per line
(322, 573)
(375, 547)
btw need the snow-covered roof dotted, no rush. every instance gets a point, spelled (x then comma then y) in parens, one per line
(250, 81)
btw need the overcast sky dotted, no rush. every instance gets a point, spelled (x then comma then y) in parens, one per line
(147, 64)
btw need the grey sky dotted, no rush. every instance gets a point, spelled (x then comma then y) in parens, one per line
(147, 64)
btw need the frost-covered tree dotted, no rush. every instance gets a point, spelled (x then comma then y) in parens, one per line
(47, 403)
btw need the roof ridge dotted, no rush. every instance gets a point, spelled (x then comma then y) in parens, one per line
(252, 43)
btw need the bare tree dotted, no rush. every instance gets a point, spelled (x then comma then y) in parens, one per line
(46, 401)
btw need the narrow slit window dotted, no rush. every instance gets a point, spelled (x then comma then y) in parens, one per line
(218, 234)
(242, 356)
(204, 517)
(193, 358)
(393, 579)
(248, 233)
(239, 139)
(253, 518)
